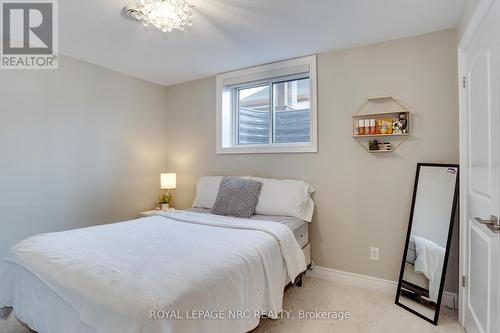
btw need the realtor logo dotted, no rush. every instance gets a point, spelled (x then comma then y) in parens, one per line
(29, 34)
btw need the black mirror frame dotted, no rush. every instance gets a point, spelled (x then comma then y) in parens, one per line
(448, 243)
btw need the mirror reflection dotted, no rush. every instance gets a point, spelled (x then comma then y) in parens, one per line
(423, 268)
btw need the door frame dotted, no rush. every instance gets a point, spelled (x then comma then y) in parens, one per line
(479, 14)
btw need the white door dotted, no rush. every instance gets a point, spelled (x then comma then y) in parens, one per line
(480, 187)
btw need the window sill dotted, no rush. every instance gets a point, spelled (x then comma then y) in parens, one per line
(268, 149)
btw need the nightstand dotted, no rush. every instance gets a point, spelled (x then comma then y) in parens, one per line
(153, 212)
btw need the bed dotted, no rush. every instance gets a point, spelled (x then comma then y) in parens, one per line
(180, 271)
(422, 270)
(410, 275)
(300, 228)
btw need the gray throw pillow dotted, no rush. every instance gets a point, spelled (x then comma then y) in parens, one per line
(237, 197)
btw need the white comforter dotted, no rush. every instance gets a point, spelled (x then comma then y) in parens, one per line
(429, 261)
(185, 263)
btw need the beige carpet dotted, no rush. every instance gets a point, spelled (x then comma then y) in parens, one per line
(370, 312)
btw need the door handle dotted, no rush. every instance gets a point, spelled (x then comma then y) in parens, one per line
(492, 223)
(493, 220)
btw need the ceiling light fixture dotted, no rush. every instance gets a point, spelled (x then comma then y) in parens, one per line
(166, 15)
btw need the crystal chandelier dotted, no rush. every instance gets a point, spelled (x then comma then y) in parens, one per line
(166, 15)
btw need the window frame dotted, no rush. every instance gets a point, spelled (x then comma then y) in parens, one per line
(235, 90)
(228, 138)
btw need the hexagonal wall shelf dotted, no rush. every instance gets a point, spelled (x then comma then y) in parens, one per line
(381, 125)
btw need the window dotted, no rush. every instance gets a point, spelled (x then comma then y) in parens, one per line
(268, 109)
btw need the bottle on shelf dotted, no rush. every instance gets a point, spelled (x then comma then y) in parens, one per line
(367, 126)
(383, 127)
(389, 126)
(372, 126)
(361, 127)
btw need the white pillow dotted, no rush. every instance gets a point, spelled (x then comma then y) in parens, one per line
(206, 191)
(286, 198)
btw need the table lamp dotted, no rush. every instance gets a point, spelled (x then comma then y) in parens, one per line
(168, 181)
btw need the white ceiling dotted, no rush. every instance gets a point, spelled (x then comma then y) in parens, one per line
(232, 34)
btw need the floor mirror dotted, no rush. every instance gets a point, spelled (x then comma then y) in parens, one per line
(428, 240)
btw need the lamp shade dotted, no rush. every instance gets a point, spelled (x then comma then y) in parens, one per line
(168, 181)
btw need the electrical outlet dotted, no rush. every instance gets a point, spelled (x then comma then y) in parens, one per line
(374, 253)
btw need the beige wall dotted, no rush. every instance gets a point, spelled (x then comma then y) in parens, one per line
(362, 200)
(79, 146)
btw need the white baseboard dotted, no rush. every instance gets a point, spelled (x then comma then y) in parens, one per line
(387, 287)
(450, 300)
(353, 279)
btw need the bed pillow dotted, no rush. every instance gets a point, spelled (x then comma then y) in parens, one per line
(285, 197)
(206, 191)
(237, 197)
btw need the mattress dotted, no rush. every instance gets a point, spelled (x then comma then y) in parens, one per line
(415, 278)
(299, 227)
